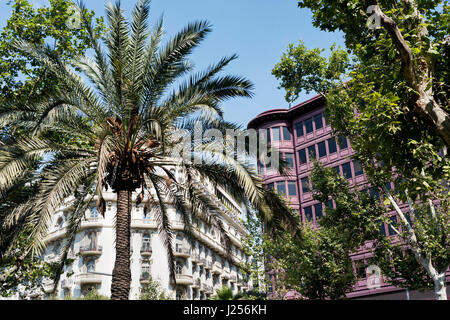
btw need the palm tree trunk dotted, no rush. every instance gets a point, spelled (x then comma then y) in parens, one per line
(121, 276)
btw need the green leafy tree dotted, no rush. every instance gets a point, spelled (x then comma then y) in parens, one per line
(21, 77)
(418, 242)
(125, 118)
(318, 267)
(388, 92)
(153, 291)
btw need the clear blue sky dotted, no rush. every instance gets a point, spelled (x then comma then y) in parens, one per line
(257, 30)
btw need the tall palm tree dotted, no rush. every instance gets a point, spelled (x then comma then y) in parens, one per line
(112, 127)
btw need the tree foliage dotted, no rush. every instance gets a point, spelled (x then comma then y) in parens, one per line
(390, 97)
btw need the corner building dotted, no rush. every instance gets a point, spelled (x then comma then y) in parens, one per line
(301, 133)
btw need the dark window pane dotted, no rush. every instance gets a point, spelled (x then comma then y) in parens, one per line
(308, 213)
(383, 229)
(388, 186)
(318, 121)
(299, 129)
(281, 188)
(276, 134)
(305, 184)
(346, 170)
(312, 152)
(322, 149)
(360, 268)
(268, 135)
(270, 186)
(358, 168)
(332, 145)
(342, 142)
(309, 125)
(289, 159)
(374, 193)
(318, 211)
(292, 189)
(302, 156)
(329, 204)
(286, 133)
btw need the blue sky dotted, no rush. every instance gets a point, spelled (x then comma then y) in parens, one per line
(257, 30)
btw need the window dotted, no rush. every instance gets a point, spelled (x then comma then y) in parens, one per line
(292, 189)
(308, 213)
(332, 145)
(270, 186)
(179, 268)
(305, 184)
(358, 168)
(322, 149)
(312, 152)
(268, 135)
(383, 229)
(94, 212)
(276, 134)
(329, 204)
(90, 266)
(374, 193)
(318, 211)
(393, 222)
(318, 121)
(286, 134)
(281, 188)
(360, 269)
(346, 170)
(309, 125)
(289, 157)
(302, 156)
(342, 142)
(337, 170)
(146, 246)
(299, 129)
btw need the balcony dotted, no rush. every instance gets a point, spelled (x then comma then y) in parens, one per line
(208, 265)
(90, 250)
(184, 279)
(216, 268)
(233, 279)
(195, 257)
(146, 250)
(48, 286)
(35, 293)
(89, 278)
(181, 251)
(144, 223)
(66, 283)
(197, 284)
(91, 222)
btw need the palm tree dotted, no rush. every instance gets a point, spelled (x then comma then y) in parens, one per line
(112, 125)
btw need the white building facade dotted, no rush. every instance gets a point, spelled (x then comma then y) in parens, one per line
(201, 269)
